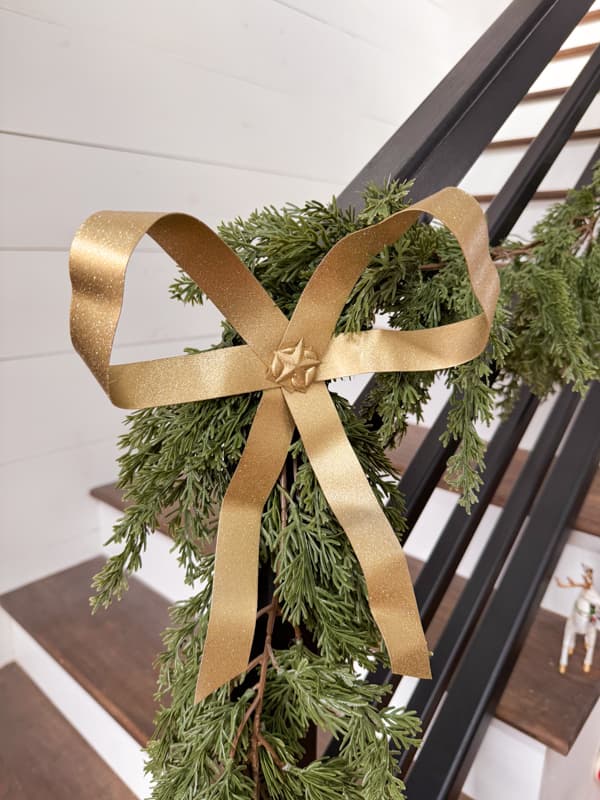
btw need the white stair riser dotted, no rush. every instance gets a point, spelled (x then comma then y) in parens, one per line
(559, 73)
(584, 34)
(160, 570)
(529, 118)
(573, 776)
(113, 744)
(508, 765)
(495, 167)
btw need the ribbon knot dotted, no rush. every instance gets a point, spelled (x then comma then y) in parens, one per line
(294, 367)
(295, 394)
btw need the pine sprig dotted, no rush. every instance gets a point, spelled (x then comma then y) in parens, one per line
(177, 461)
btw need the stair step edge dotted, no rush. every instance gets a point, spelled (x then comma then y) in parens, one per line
(113, 659)
(524, 141)
(66, 762)
(575, 52)
(110, 654)
(587, 521)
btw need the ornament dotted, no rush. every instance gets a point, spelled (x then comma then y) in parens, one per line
(584, 619)
(290, 362)
(294, 367)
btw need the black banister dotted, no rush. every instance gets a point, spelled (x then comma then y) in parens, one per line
(442, 139)
(441, 564)
(515, 194)
(427, 467)
(479, 586)
(452, 741)
(508, 205)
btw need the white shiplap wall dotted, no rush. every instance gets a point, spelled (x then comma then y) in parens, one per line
(209, 108)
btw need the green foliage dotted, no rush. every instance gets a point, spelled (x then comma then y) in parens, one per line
(194, 753)
(555, 283)
(177, 461)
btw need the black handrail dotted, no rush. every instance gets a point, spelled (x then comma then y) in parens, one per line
(442, 139)
(516, 193)
(479, 586)
(447, 753)
(508, 205)
(429, 462)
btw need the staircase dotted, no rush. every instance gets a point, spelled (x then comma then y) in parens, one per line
(76, 691)
(42, 755)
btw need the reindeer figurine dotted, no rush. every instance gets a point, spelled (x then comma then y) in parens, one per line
(583, 620)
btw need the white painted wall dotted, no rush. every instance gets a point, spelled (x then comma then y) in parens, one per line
(209, 108)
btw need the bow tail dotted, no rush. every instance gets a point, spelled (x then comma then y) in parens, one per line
(389, 586)
(235, 588)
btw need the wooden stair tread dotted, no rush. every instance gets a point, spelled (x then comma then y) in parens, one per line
(110, 494)
(591, 16)
(497, 144)
(42, 757)
(110, 653)
(545, 195)
(575, 52)
(537, 700)
(545, 94)
(588, 519)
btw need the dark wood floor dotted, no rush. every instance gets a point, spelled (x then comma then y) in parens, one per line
(42, 757)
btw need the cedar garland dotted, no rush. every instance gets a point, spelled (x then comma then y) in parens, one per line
(247, 740)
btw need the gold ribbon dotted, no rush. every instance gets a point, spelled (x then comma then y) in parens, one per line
(289, 360)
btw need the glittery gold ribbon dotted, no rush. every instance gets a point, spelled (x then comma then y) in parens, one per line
(289, 361)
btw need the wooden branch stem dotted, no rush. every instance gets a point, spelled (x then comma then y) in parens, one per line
(254, 710)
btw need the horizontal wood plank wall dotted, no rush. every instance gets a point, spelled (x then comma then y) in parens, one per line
(214, 109)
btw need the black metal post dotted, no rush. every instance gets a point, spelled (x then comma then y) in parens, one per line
(427, 467)
(438, 144)
(478, 588)
(446, 755)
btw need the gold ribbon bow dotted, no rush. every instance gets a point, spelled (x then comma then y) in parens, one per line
(289, 360)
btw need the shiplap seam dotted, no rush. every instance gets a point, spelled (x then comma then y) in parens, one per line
(154, 154)
(104, 440)
(141, 343)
